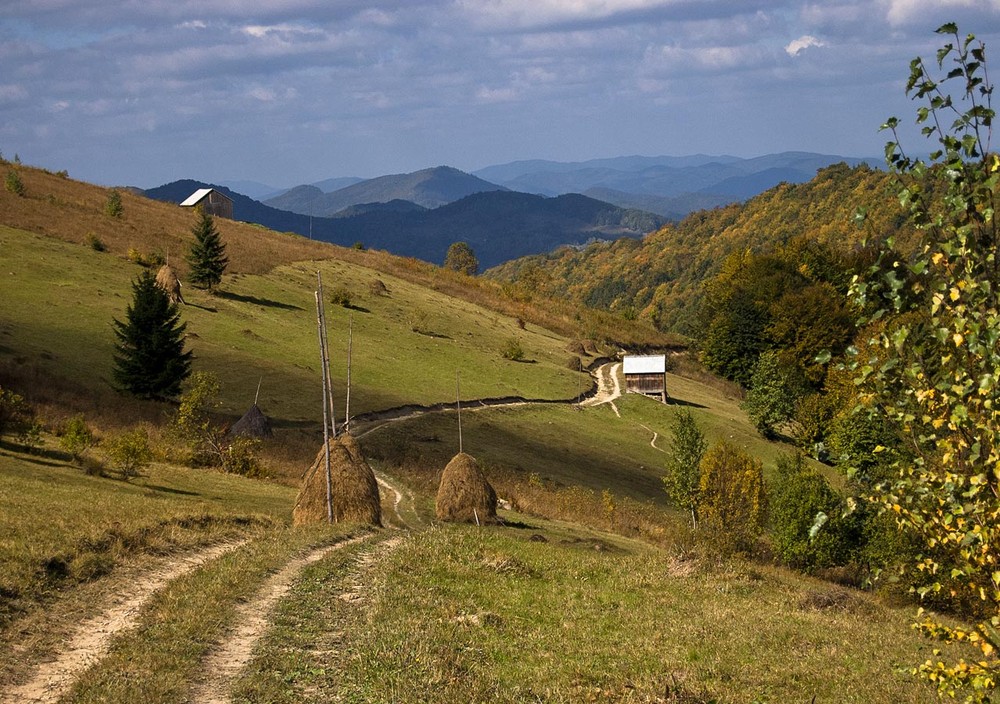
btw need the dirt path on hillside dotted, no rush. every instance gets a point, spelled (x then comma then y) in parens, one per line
(384, 482)
(655, 437)
(92, 639)
(230, 656)
(608, 388)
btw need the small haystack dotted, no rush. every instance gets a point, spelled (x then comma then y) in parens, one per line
(253, 424)
(353, 488)
(464, 494)
(166, 278)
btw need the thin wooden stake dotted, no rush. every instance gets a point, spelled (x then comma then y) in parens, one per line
(326, 427)
(350, 349)
(458, 401)
(326, 356)
(257, 395)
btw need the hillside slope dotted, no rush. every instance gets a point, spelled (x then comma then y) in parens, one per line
(659, 278)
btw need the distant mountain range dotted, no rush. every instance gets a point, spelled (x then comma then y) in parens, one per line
(510, 210)
(499, 225)
(430, 188)
(669, 186)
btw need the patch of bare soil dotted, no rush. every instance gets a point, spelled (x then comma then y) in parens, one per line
(608, 388)
(90, 641)
(230, 656)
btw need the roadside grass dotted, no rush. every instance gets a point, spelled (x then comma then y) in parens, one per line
(61, 527)
(464, 614)
(160, 659)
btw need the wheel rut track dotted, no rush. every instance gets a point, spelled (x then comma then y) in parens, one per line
(91, 640)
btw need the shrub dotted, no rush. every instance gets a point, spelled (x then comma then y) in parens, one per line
(732, 504)
(805, 515)
(77, 437)
(770, 400)
(96, 243)
(241, 457)
(341, 296)
(129, 452)
(62, 174)
(512, 350)
(113, 206)
(150, 260)
(12, 182)
(15, 413)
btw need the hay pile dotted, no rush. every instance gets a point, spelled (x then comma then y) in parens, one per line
(464, 493)
(353, 488)
(166, 278)
(253, 424)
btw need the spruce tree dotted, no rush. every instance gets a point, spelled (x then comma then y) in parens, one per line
(149, 359)
(207, 258)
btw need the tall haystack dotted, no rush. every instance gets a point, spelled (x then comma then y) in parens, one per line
(166, 278)
(464, 495)
(354, 491)
(253, 424)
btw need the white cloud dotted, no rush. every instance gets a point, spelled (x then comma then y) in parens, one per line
(497, 95)
(907, 12)
(797, 46)
(12, 92)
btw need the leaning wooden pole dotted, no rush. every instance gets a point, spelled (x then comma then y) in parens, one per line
(350, 350)
(458, 404)
(325, 343)
(326, 427)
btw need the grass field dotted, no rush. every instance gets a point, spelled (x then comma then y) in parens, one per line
(60, 300)
(438, 613)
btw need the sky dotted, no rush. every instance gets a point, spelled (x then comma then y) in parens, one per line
(284, 92)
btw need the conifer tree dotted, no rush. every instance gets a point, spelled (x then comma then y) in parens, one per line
(149, 359)
(207, 257)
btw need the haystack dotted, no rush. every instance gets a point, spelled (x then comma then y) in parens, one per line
(464, 494)
(354, 491)
(166, 278)
(253, 424)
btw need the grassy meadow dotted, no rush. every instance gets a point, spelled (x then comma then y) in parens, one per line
(562, 604)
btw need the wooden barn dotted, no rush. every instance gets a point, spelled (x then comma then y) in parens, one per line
(646, 374)
(215, 203)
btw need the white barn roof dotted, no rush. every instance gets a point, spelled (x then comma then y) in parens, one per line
(196, 197)
(645, 364)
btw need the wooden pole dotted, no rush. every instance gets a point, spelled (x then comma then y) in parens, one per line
(326, 356)
(257, 395)
(458, 401)
(326, 427)
(350, 349)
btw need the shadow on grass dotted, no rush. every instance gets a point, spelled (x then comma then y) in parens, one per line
(431, 333)
(43, 456)
(206, 308)
(169, 490)
(229, 296)
(680, 402)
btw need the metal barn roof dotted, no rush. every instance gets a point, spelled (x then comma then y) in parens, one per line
(195, 197)
(645, 364)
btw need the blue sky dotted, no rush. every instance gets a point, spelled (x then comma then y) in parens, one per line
(294, 91)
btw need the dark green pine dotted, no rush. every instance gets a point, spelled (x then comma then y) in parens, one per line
(149, 359)
(207, 257)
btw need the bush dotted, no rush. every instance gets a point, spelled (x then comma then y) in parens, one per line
(732, 504)
(15, 413)
(378, 288)
(96, 243)
(113, 206)
(12, 182)
(806, 524)
(512, 350)
(341, 296)
(77, 437)
(129, 452)
(150, 260)
(687, 449)
(241, 457)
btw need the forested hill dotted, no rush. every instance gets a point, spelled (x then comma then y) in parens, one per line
(659, 278)
(499, 225)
